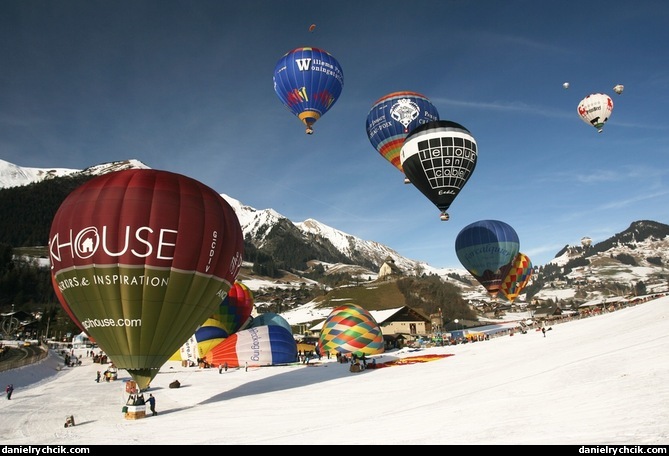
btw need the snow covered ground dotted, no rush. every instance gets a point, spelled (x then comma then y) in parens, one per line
(600, 380)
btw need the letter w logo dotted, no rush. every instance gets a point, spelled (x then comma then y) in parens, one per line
(303, 64)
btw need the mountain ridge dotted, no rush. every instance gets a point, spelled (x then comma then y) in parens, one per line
(637, 254)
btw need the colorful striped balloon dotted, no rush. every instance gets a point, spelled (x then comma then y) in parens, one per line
(518, 276)
(351, 329)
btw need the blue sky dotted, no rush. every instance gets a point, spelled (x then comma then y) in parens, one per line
(186, 86)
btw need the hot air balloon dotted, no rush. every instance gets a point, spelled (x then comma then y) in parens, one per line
(208, 335)
(487, 249)
(234, 312)
(308, 81)
(565, 85)
(312, 27)
(519, 275)
(438, 158)
(260, 346)
(143, 257)
(351, 329)
(595, 110)
(269, 318)
(618, 88)
(392, 118)
(586, 242)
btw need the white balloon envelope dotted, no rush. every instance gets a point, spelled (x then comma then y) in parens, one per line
(595, 110)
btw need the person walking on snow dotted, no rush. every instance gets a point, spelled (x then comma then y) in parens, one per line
(543, 330)
(9, 390)
(152, 404)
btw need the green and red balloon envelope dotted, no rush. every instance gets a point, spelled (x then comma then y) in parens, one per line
(143, 257)
(351, 329)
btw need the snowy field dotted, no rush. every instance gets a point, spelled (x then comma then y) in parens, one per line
(600, 380)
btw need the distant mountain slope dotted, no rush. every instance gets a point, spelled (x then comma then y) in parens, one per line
(29, 198)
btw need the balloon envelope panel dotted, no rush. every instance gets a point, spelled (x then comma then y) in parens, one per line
(143, 257)
(487, 249)
(351, 329)
(392, 117)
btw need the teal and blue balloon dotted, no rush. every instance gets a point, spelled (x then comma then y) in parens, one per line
(487, 249)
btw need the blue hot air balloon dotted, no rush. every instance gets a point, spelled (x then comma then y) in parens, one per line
(308, 81)
(392, 118)
(487, 249)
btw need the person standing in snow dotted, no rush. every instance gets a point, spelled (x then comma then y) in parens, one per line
(152, 404)
(9, 390)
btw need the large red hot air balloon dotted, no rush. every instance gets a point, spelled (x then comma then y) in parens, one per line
(143, 257)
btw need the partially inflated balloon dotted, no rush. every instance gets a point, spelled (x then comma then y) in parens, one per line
(391, 119)
(487, 249)
(351, 329)
(234, 312)
(517, 277)
(269, 318)
(208, 335)
(438, 158)
(143, 257)
(308, 81)
(260, 346)
(188, 351)
(595, 110)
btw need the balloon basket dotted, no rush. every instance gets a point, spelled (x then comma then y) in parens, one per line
(135, 412)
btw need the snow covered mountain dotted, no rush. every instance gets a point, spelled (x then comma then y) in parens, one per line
(259, 226)
(12, 175)
(639, 254)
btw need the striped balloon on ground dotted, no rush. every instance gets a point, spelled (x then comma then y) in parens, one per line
(350, 329)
